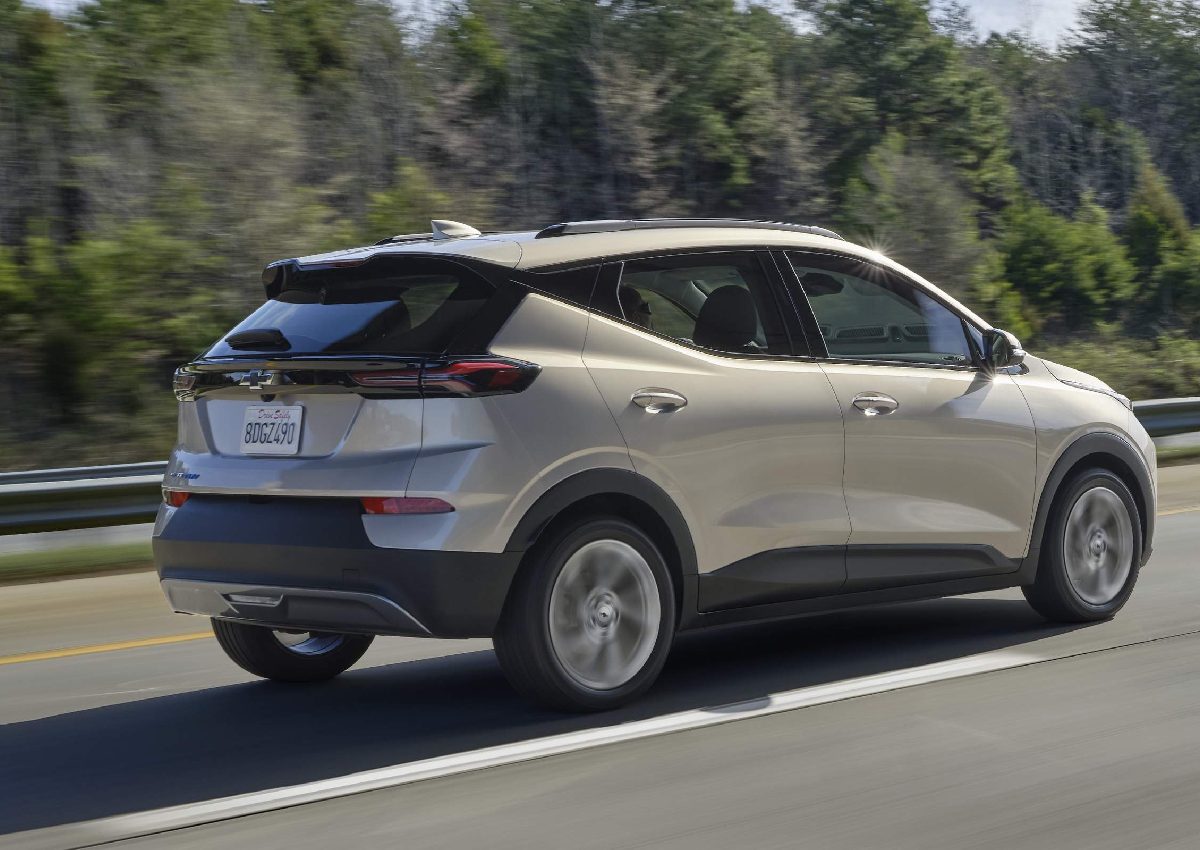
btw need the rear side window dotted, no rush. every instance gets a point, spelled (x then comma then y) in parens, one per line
(571, 285)
(387, 306)
(720, 301)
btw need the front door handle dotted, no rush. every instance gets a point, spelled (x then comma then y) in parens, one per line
(657, 400)
(875, 404)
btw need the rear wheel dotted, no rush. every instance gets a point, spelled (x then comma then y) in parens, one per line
(1091, 551)
(287, 656)
(590, 619)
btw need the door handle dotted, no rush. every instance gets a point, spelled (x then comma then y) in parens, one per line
(875, 404)
(656, 400)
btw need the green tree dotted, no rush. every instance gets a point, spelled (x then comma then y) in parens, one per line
(1073, 273)
(1177, 284)
(1160, 242)
(36, 170)
(1142, 60)
(909, 207)
(1156, 224)
(1063, 146)
(413, 199)
(880, 66)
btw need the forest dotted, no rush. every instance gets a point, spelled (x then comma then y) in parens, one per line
(155, 154)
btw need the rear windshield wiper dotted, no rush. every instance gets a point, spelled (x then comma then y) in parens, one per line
(259, 339)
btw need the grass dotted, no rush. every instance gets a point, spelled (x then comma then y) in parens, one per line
(1178, 455)
(78, 561)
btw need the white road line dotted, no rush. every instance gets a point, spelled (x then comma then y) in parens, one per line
(193, 814)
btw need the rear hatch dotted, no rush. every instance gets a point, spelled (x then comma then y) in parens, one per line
(320, 390)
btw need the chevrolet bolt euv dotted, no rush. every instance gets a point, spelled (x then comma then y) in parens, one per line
(581, 441)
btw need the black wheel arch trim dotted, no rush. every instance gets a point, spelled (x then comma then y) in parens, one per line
(1095, 444)
(594, 483)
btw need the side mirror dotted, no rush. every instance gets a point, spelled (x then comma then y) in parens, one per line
(1001, 350)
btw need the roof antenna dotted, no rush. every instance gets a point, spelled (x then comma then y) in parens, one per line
(443, 229)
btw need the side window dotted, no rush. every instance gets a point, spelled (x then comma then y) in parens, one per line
(866, 313)
(573, 285)
(719, 301)
(976, 337)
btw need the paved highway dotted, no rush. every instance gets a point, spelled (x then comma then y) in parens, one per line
(1087, 738)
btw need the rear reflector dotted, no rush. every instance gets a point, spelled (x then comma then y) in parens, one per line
(405, 505)
(175, 498)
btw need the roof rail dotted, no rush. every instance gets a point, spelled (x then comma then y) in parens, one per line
(569, 228)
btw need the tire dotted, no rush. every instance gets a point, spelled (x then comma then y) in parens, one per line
(309, 657)
(1091, 551)
(589, 621)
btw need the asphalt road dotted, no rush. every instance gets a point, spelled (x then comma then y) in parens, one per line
(1097, 744)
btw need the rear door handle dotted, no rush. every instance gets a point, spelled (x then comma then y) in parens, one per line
(875, 404)
(658, 400)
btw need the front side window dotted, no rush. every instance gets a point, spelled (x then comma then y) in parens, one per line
(721, 302)
(867, 313)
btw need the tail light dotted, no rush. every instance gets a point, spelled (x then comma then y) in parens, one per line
(405, 505)
(475, 377)
(478, 377)
(175, 498)
(456, 377)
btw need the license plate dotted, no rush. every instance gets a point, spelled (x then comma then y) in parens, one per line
(272, 430)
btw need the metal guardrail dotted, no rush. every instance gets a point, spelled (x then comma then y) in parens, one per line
(91, 496)
(79, 497)
(1164, 417)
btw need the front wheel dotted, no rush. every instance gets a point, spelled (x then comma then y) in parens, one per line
(1091, 551)
(289, 656)
(590, 619)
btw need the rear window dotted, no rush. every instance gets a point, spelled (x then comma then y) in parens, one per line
(388, 305)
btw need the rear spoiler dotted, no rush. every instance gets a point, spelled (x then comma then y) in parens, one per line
(276, 275)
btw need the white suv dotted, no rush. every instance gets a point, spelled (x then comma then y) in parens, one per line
(583, 440)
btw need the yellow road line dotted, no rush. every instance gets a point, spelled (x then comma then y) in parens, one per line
(1174, 511)
(101, 647)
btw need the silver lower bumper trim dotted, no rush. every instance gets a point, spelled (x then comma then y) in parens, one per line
(304, 608)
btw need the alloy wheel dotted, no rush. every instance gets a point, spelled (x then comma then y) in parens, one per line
(1098, 545)
(605, 614)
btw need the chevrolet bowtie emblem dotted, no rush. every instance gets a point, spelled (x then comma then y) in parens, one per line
(256, 379)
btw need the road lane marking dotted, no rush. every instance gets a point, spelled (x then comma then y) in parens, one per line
(101, 647)
(1174, 511)
(105, 831)
(121, 827)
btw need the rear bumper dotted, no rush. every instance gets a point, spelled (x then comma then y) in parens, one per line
(307, 564)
